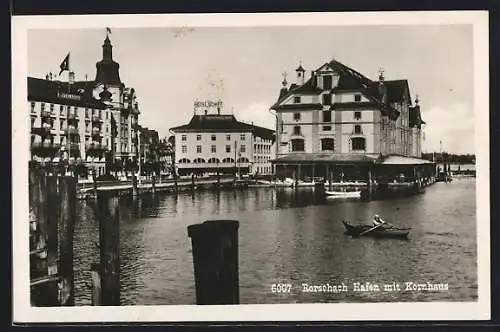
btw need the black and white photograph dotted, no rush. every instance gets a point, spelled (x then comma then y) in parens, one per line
(247, 167)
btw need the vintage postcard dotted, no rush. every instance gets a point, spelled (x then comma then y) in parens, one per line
(251, 167)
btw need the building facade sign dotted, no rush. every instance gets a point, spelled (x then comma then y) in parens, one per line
(208, 103)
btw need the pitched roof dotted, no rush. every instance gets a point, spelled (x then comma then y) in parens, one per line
(415, 117)
(54, 92)
(396, 90)
(222, 123)
(350, 79)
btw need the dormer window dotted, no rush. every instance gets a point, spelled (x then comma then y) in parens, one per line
(357, 98)
(327, 82)
(296, 99)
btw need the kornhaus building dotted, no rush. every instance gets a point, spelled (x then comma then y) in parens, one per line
(338, 119)
(215, 142)
(82, 120)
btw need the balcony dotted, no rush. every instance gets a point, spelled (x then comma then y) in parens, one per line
(45, 114)
(74, 146)
(72, 115)
(45, 144)
(72, 130)
(96, 118)
(47, 125)
(96, 132)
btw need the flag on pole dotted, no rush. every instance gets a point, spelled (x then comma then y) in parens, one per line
(108, 30)
(65, 64)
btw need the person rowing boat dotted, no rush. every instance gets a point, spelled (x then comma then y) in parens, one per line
(377, 220)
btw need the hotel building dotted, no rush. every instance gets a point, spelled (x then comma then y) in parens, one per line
(338, 118)
(84, 120)
(217, 142)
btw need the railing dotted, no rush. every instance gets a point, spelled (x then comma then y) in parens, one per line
(72, 130)
(74, 146)
(212, 165)
(96, 118)
(71, 115)
(45, 114)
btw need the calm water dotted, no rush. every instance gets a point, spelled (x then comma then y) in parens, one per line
(292, 237)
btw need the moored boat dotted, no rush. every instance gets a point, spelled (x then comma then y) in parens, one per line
(385, 231)
(346, 194)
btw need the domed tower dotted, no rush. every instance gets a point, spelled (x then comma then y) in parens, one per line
(108, 75)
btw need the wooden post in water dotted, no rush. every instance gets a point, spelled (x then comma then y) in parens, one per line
(192, 182)
(330, 178)
(67, 194)
(153, 184)
(135, 189)
(215, 259)
(54, 208)
(109, 241)
(95, 273)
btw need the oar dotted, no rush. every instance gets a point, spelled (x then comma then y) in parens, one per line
(371, 229)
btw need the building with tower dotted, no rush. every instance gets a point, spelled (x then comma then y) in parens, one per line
(339, 120)
(89, 122)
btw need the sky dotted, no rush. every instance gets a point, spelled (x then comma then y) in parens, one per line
(170, 68)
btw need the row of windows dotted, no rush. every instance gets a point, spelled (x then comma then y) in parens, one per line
(63, 125)
(213, 148)
(356, 129)
(213, 160)
(327, 116)
(328, 144)
(72, 110)
(213, 137)
(326, 99)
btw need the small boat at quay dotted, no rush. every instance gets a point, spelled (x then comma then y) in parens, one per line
(343, 194)
(384, 231)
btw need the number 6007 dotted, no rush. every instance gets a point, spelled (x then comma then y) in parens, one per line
(281, 288)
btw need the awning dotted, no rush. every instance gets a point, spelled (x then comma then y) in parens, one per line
(88, 159)
(400, 160)
(47, 159)
(56, 159)
(341, 158)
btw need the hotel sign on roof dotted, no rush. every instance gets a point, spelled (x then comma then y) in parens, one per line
(208, 103)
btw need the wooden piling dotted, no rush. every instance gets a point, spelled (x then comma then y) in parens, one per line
(192, 182)
(67, 216)
(135, 189)
(53, 205)
(95, 273)
(330, 178)
(153, 184)
(109, 241)
(215, 260)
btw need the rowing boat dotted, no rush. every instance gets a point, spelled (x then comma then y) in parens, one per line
(384, 231)
(346, 194)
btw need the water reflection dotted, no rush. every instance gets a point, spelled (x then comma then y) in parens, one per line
(291, 236)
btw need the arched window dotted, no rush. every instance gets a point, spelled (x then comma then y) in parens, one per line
(184, 161)
(228, 160)
(213, 160)
(199, 161)
(358, 143)
(327, 144)
(243, 160)
(298, 144)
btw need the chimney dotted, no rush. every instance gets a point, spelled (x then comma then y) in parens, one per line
(71, 77)
(218, 110)
(313, 78)
(47, 77)
(206, 112)
(50, 76)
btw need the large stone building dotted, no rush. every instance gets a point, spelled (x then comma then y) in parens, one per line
(88, 119)
(219, 142)
(337, 116)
